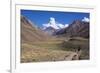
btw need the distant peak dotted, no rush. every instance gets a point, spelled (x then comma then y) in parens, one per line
(54, 24)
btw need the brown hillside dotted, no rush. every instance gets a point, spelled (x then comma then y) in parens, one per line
(31, 33)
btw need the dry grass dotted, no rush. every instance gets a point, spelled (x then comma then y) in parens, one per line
(52, 50)
(35, 54)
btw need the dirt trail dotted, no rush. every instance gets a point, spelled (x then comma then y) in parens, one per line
(72, 56)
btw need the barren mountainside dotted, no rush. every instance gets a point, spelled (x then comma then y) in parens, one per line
(31, 33)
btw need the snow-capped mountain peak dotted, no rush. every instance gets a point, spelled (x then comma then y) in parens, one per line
(54, 24)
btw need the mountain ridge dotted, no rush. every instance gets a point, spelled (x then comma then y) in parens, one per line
(77, 28)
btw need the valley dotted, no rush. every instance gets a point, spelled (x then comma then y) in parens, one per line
(38, 46)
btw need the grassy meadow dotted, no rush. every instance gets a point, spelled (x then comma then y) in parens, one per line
(53, 50)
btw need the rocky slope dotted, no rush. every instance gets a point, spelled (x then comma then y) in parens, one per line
(76, 29)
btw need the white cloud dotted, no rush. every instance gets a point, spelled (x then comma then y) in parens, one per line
(85, 19)
(54, 24)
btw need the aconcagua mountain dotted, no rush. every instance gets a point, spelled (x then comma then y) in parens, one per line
(53, 26)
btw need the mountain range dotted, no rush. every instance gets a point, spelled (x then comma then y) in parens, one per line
(76, 29)
(31, 33)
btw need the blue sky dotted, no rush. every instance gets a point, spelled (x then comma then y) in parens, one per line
(42, 17)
